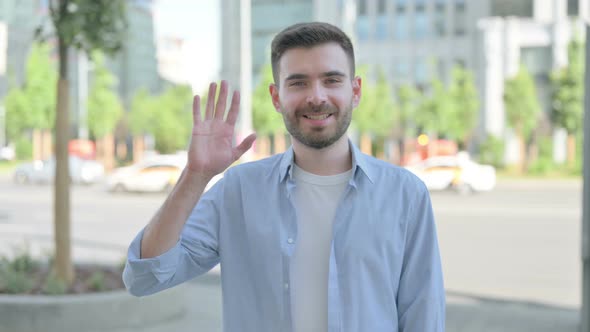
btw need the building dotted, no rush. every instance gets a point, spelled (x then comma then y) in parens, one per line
(171, 59)
(413, 41)
(136, 65)
(19, 20)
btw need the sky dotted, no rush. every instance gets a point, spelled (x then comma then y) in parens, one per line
(198, 23)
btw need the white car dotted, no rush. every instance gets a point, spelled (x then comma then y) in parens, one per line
(155, 174)
(455, 172)
(82, 171)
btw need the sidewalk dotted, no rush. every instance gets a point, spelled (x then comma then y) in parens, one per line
(464, 313)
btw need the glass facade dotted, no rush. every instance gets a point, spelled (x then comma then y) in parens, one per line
(439, 19)
(520, 8)
(421, 23)
(459, 17)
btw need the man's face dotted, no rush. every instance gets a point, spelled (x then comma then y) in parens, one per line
(316, 94)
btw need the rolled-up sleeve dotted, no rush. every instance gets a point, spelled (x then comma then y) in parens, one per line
(421, 295)
(195, 253)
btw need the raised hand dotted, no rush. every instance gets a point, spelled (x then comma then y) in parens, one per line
(210, 150)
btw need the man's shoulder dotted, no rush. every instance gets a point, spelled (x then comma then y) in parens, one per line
(384, 172)
(265, 166)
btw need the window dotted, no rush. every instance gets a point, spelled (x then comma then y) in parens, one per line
(421, 24)
(361, 9)
(421, 70)
(520, 8)
(382, 7)
(401, 26)
(401, 5)
(401, 69)
(459, 17)
(362, 28)
(382, 32)
(439, 22)
(573, 7)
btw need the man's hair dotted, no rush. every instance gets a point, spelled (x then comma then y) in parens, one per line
(308, 35)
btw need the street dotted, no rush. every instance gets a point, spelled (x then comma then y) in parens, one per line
(520, 242)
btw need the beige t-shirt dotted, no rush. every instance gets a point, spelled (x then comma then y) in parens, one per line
(316, 199)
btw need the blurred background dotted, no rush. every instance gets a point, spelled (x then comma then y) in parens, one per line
(482, 99)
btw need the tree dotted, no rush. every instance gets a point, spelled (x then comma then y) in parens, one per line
(170, 128)
(435, 112)
(104, 109)
(568, 95)
(465, 106)
(266, 120)
(377, 112)
(32, 106)
(522, 109)
(86, 25)
(407, 104)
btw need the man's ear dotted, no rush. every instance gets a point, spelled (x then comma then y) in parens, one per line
(274, 95)
(356, 91)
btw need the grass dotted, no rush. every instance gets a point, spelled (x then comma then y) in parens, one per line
(7, 167)
(551, 174)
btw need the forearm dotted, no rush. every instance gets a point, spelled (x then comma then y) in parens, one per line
(164, 229)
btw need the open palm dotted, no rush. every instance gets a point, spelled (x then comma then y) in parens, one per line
(211, 150)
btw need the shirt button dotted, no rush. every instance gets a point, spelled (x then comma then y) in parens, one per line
(290, 241)
(286, 286)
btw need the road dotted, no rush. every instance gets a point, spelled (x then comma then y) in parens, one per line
(519, 242)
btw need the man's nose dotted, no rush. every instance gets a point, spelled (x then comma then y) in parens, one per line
(317, 95)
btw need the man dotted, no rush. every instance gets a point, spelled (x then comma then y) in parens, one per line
(320, 238)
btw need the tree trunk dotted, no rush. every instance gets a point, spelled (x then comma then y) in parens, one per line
(138, 148)
(571, 149)
(280, 145)
(46, 144)
(37, 145)
(108, 149)
(522, 155)
(366, 144)
(262, 147)
(63, 261)
(121, 150)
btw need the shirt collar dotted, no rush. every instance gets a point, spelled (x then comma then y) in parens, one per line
(360, 163)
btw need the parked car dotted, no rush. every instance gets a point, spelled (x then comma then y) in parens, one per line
(82, 171)
(157, 173)
(7, 153)
(458, 173)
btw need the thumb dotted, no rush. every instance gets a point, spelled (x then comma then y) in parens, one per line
(244, 146)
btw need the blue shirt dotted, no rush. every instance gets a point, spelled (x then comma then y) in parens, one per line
(384, 275)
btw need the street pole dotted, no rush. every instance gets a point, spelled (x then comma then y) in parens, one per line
(82, 95)
(245, 120)
(585, 324)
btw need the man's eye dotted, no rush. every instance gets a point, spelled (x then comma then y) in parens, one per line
(297, 84)
(332, 81)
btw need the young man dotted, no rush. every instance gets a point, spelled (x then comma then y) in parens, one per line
(319, 238)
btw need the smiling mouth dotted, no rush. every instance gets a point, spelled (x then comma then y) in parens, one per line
(317, 117)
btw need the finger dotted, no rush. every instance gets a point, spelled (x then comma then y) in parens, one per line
(220, 108)
(234, 109)
(196, 110)
(244, 146)
(210, 101)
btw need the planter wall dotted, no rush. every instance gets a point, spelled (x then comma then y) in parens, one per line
(115, 311)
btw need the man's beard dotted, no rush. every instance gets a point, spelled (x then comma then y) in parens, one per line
(318, 138)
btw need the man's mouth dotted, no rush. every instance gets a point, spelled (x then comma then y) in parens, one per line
(317, 117)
